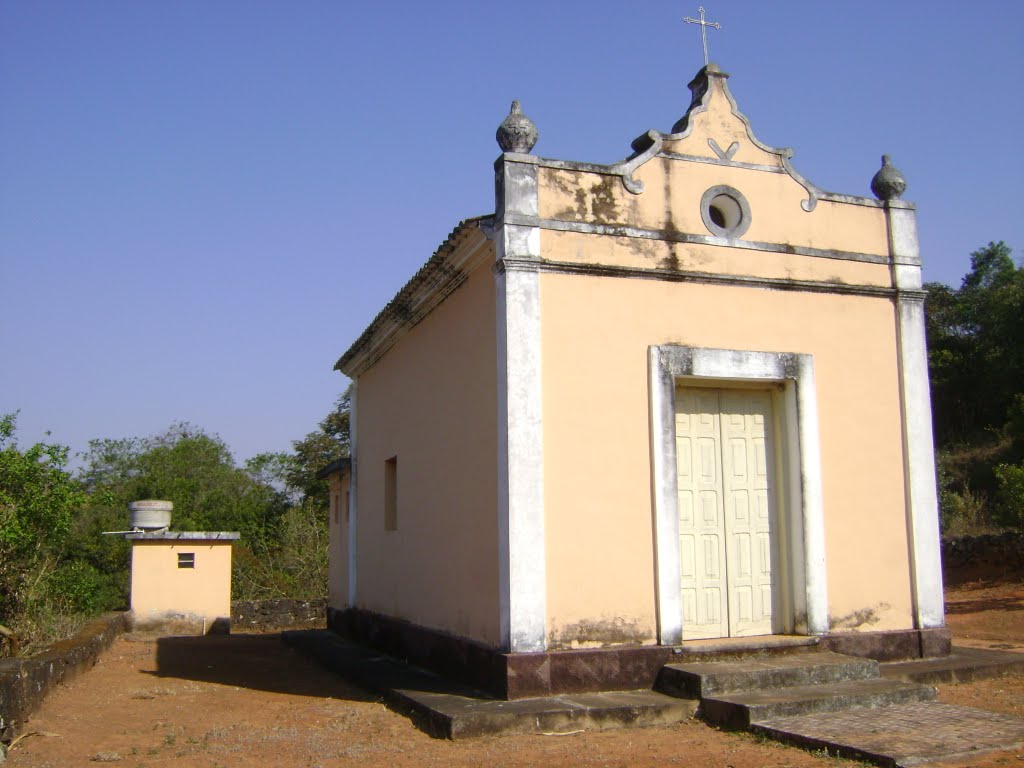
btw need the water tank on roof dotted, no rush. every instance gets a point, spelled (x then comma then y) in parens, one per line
(150, 514)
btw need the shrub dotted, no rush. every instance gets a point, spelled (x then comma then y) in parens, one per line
(78, 587)
(1010, 509)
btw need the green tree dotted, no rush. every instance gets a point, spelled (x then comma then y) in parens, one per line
(189, 467)
(293, 565)
(976, 357)
(331, 441)
(38, 501)
(273, 469)
(1010, 495)
(976, 362)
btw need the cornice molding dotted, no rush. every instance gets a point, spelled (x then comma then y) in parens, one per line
(707, 278)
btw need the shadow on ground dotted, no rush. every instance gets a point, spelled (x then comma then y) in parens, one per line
(976, 605)
(257, 662)
(984, 575)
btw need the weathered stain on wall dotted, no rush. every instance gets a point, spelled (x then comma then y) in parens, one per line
(865, 617)
(599, 632)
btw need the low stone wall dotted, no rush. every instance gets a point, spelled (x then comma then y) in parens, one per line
(994, 552)
(24, 683)
(268, 615)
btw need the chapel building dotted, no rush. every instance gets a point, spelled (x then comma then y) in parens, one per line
(677, 398)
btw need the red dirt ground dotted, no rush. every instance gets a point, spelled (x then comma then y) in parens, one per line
(249, 700)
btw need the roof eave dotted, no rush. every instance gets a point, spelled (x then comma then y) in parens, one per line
(443, 272)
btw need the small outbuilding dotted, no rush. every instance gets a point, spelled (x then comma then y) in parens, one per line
(679, 398)
(180, 580)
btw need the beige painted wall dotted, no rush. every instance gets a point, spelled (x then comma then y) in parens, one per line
(337, 541)
(671, 201)
(431, 402)
(600, 537)
(596, 332)
(161, 589)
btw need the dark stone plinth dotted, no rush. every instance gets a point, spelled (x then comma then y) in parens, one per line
(894, 645)
(455, 657)
(622, 668)
(504, 675)
(607, 669)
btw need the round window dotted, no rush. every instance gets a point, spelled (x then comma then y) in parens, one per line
(725, 211)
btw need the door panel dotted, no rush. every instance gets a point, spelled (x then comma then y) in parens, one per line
(701, 532)
(723, 454)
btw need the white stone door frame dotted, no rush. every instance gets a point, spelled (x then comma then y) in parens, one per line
(801, 512)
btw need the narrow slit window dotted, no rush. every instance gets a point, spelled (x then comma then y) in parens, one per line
(391, 494)
(186, 559)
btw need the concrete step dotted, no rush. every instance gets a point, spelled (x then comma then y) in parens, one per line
(721, 648)
(699, 680)
(456, 717)
(963, 665)
(448, 710)
(741, 708)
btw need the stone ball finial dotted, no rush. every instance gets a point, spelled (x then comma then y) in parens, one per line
(888, 183)
(517, 133)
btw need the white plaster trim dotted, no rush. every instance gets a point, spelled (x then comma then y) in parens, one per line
(504, 572)
(815, 586)
(922, 503)
(919, 467)
(666, 499)
(789, 548)
(353, 496)
(522, 579)
(906, 277)
(903, 243)
(803, 491)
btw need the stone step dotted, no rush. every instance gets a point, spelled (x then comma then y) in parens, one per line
(741, 708)
(720, 648)
(699, 680)
(448, 710)
(456, 717)
(963, 665)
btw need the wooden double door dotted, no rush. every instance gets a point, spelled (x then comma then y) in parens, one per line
(727, 515)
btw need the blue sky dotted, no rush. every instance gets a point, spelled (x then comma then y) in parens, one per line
(202, 204)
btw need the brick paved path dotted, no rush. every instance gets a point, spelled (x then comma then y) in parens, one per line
(901, 735)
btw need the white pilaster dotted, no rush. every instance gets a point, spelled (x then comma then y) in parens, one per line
(815, 588)
(353, 495)
(918, 449)
(522, 566)
(666, 498)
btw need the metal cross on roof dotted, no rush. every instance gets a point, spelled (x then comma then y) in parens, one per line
(703, 30)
